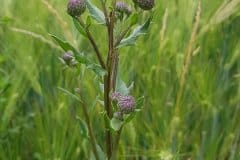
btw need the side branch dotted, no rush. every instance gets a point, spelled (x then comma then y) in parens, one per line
(91, 39)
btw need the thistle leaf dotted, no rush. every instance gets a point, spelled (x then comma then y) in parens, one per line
(95, 13)
(79, 27)
(64, 44)
(138, 31)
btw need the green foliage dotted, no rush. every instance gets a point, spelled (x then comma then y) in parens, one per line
(138, 31)
(95, 13)
(38, 121)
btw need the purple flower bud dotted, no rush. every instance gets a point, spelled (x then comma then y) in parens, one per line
(123, 7)
(115, 96)
(76, 7)
(126, 104)
(118, 115)
(67, 57)
(145, 4)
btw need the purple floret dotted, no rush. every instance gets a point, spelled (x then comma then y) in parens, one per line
(126, 104)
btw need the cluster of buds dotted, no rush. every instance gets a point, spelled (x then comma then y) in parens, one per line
(75, 8)
(126, 104)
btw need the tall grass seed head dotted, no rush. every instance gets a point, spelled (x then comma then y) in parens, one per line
(76, 7)
(126, 104)
(145, 4)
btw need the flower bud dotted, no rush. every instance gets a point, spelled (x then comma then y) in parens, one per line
(126, 104)
(145, 4)
(118, 115)
(67, 57)
(122, 7)
(76, 7)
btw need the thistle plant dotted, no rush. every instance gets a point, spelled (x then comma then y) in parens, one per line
(122, 30)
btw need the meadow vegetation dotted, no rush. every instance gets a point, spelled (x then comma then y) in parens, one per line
(187, 67)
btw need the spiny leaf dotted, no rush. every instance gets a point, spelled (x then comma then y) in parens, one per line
(64, 44)
(79, 27)
(138, 31)
(95, 13)
(122, 87)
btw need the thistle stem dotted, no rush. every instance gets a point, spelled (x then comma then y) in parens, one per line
(91, 134)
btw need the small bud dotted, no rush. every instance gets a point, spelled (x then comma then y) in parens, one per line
(118, 115)
(145, 4)
(76, 7)
(126, 104)
(122, 7)
(67, 57)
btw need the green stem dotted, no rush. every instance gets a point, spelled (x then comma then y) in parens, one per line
(116, 145)
(92, 41)
(91, 134)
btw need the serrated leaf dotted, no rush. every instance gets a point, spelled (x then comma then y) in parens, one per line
(79, 27)
(116, 124)
(138, 31)
(95, 13)
(64, 44)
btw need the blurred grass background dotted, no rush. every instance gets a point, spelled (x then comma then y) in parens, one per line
(39, 122)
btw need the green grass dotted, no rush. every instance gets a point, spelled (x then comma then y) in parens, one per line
(38, 121)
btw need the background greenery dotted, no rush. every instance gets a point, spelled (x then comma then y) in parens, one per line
(38, 121)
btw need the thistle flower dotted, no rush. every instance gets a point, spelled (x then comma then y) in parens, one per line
(118, 115)
(126, 104)
(145, 4)
(76, 7)
(122, 7)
